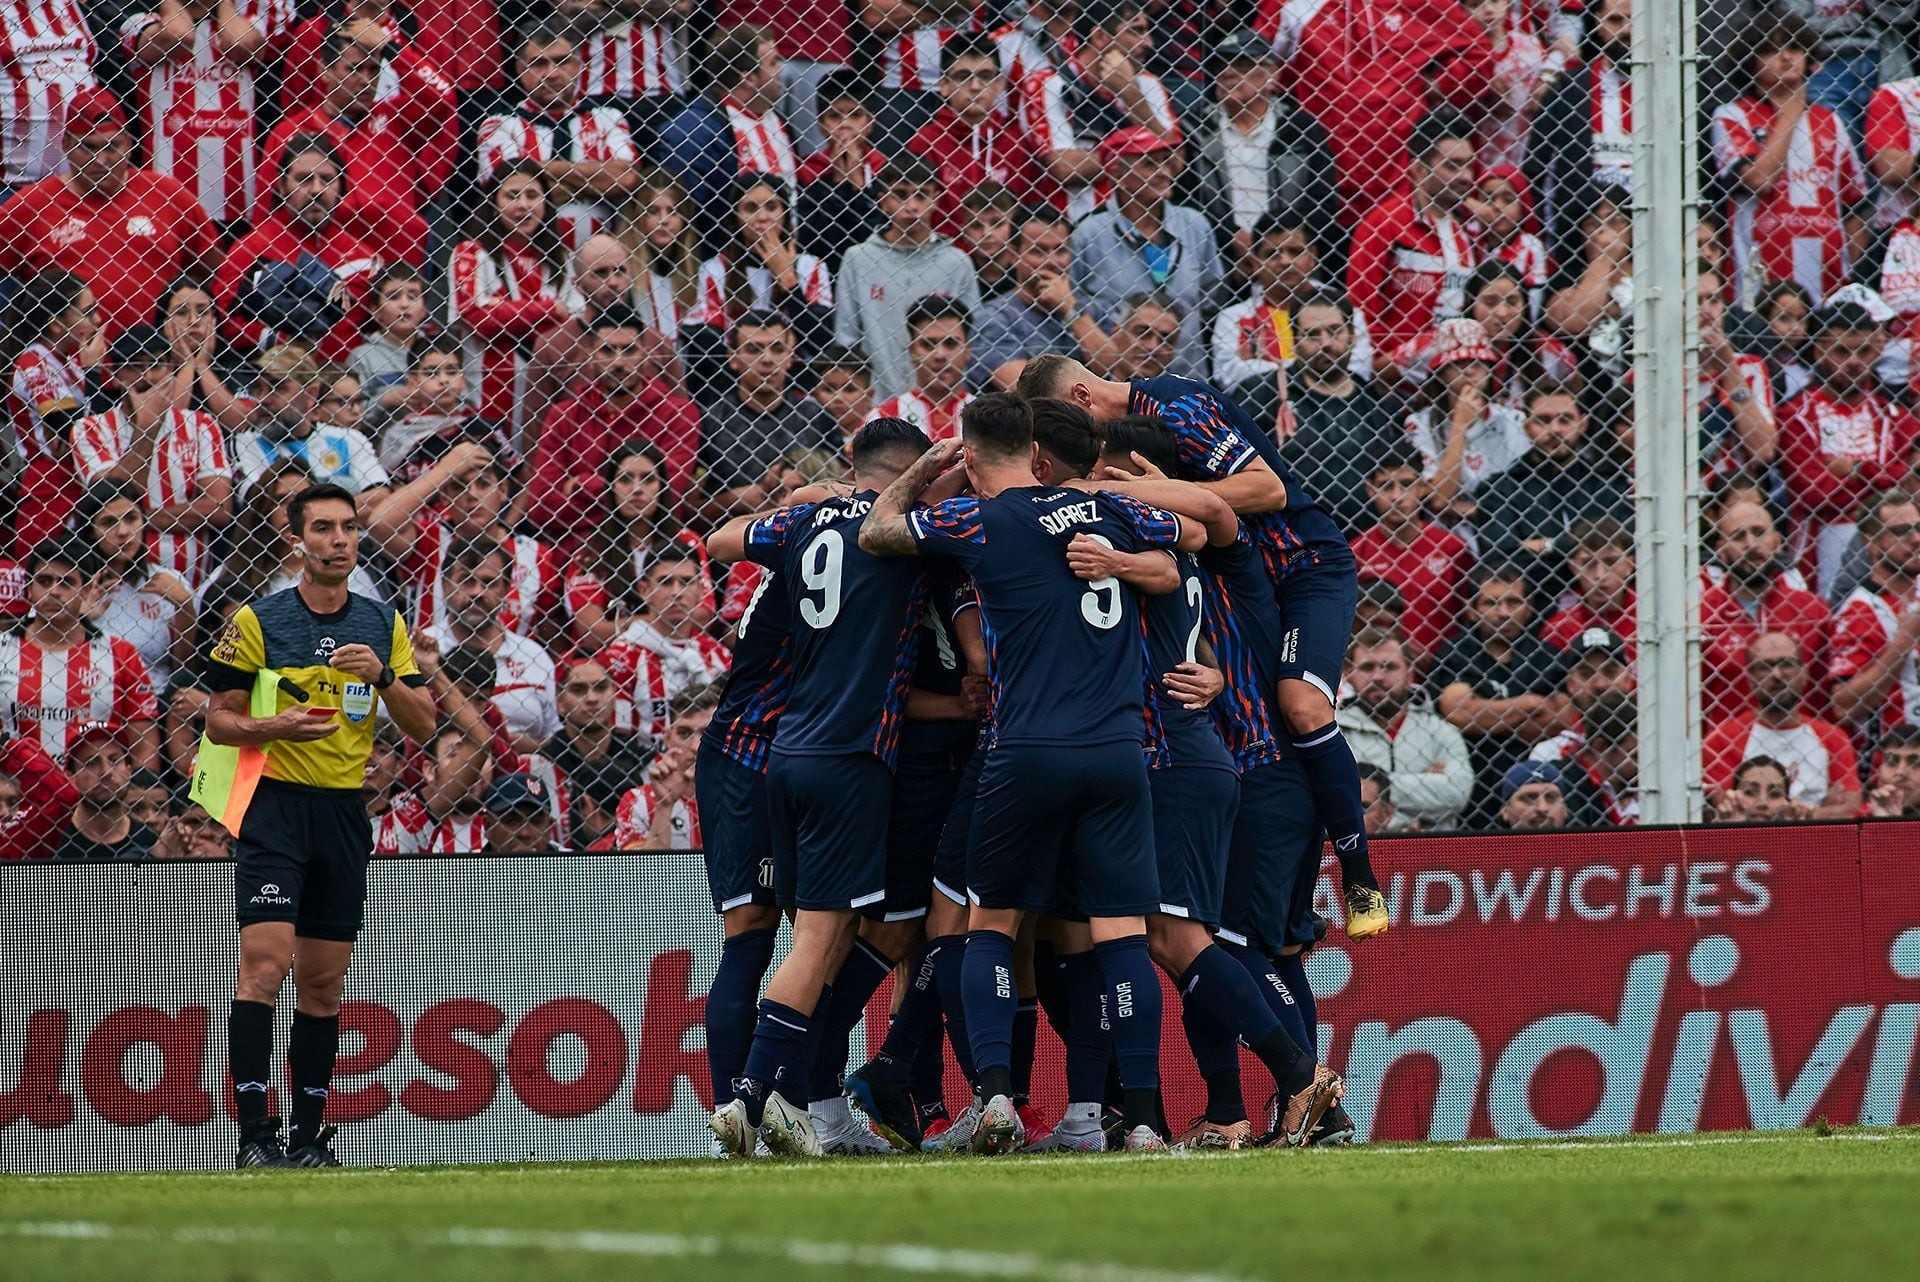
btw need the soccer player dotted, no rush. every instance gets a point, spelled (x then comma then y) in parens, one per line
(1063, 792)
(1309, 566)
(301, 847)
(854, 623)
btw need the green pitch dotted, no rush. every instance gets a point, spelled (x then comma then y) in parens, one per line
(1742, 1207)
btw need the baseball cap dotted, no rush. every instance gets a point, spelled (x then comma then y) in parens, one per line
(516, 792)
(1133, 141)
(139, 343)
(1520, 774)
(1599, 640)
(1457, 341)
(1243, 45)
(93, 109)
(91, 731)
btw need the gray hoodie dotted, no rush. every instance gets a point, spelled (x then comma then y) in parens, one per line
(878, 281)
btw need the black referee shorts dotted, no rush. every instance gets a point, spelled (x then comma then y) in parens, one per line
(301, 856)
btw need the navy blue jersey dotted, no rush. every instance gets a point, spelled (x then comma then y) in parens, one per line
(1216, 439)
(855, 624)
(1064, 656)
(744, 723)
(939, 667)
(1178, 736)
(1243, 626)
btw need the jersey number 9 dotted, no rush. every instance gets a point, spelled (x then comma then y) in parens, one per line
(820, 572)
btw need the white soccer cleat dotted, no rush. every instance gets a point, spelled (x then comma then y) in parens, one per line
(788, 1129)
(958, 1135)
(1144, 1139)
(1078, 1132)
(733, 1135)
(841, 1134)
(999, 1130)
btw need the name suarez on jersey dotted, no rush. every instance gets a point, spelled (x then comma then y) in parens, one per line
(1062, 519)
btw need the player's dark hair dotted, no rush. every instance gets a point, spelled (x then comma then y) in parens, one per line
(1045, 376)
(472, 553)
(891, 444)
(997, 423)
(1442, 124)
(1144, 434)
(1066, 431)
(938, 307)
(324, 493)
(441, 344)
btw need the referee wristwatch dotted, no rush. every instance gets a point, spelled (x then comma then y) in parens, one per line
(386, 677)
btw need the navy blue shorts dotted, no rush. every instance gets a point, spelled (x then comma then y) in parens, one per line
(829, 821)
(924, 785)
(733, 821)
(1047, 817)
(1274, 859)
(950, 857)
(1193, 808)
(1317, 600)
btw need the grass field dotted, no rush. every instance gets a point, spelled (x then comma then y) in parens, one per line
(1740, 1207)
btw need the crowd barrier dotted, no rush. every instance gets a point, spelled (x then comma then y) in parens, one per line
(550, 1008)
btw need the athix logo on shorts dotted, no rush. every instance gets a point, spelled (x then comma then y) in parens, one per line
(270, 894)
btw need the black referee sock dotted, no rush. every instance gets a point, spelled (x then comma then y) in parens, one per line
(250, 1059)
(310, 1056)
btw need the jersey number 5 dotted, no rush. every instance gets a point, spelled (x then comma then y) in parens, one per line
(1100, 604)
(820, 572)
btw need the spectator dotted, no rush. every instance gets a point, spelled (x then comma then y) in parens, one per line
(667, 650)
(505, 290)
(518, 818)
(1562, 479)
(1785, 308)
(1412, 251)
(1368, 71)
(1523, 72)
(49, 55)
(1750, 590)
(475, 578)
(1822, 773)
(302, 216)
(915, 35)
(634, 522)
(1428, 563)
(971, 138)
(1533, 798)
(987, 221)
(1497, 298)
(1894, 790)
(1503, 207)
(937, 345)
(1500, 685)
(619, 405)
(174, 458)
(261, 559)
(1376, 798)
(1600, 561)
(1737, 435)
(586, 153)
(709, 143)
(837, 208)
(1101, 88)
(883, 276)
(1252, 337)
(190, 321)
(138, 600)
(101, 830)
(1599, 758)
(461, 826)
(763, 269)
(742, 439)
(149, 800)
(36, 696)
(668, 790)
(630, 57)
(458, 38)
(1582, 138)
(442, 414)
(1391, 724)
(1142, 241)
(395, 154)
(599, 279)
(1041, 314)
(53, 319)
(600, 763)
(195, 63)
(126, 232)
(289, 429)
(1379, 608)
(842, 388)
(453, 768)
(1760, 791)
(1843, 437)
(1808, 226)
(1257, 155)
(36, 799)
(1878, 623)
(397, 306)
(1145, 337)
(1891, 137)
(1479, 439)
(664, 258)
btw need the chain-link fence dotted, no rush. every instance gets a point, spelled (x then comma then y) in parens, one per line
(557, 289)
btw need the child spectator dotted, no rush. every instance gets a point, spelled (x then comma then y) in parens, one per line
(657, 230)
(53, 319)
(842, 388)
(663, 813)
(635, 506)
(1601, 563)
(1252, 337)
(139, 602)
(442, 413)
(289, 429)
(1465, 438)
(971, 139)
(1785, 307)
(1503, 208)
(1894, 790)
(836, 207)
(988, 216)
(397, 297)
(938, 347)
(1428, 563)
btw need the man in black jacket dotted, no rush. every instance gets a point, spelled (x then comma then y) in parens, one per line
(1562, 480)
(1583, 134)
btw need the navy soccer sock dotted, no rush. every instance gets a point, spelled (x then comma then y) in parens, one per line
(949, 967)
(918, 1015)
(929, 1077)
(1085, 1036)
(1216, 1054)
(859, 977)
(781, 1037)
(1292, 969)
(1050, 985)
(1335, 781)
(250, 1058)
(744, 959)
(988, 993)
(1026, 1030)
(1134, 1008)
(1267, 981)
(311, 1052)
(1221, 986)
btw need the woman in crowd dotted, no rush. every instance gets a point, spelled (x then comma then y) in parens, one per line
(1465, 435)
(188, 316)
(505, 290)
(602, 585)
(661, 247)
(60, 344)
(763, 268)
(139, 602)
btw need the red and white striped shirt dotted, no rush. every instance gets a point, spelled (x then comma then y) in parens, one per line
(1796, 229)
(197, 108)
(634, 819)
(44, 382)
(47, 57)
(1612, 125)
(1863, 626)
(761, 144)
(404, 828)
(533, 578)
(914, 58)
(1527, 254)
(713, 307)
(458, 834)
(592, 134)
(499, 301)
(191, 451)
(1893, 124)
(939, 421)
(631, 60)
(466, 833)
(50, 694)
(649, 669)
(1049, 124)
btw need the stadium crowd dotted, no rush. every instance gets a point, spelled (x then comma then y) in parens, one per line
(556, 290)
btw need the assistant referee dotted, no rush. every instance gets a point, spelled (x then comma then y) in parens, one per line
(300, 855)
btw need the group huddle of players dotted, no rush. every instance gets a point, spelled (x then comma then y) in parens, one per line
(1030, 713)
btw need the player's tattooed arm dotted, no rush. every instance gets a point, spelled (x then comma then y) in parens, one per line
(885, 532)
(1152, 572)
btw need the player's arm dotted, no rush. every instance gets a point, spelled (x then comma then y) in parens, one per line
(1196, 684)
(1153, 572)
(1209, 517)
(886, 531)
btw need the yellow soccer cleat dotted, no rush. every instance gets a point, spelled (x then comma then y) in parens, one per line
(1366, 912)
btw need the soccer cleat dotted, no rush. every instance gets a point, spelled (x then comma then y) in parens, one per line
(260, 1145)
(1144, 1139)
(1304, 1110)
(318, 1151)
(1079, 1131)
(879, 1089)
(1366, 912)
(841, 1134)
(999, 1129)
(787, 1129)
(1032, 1124)
(944, 1135)
(731, 1130)
(1336, 1129)
(1204, 1134)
